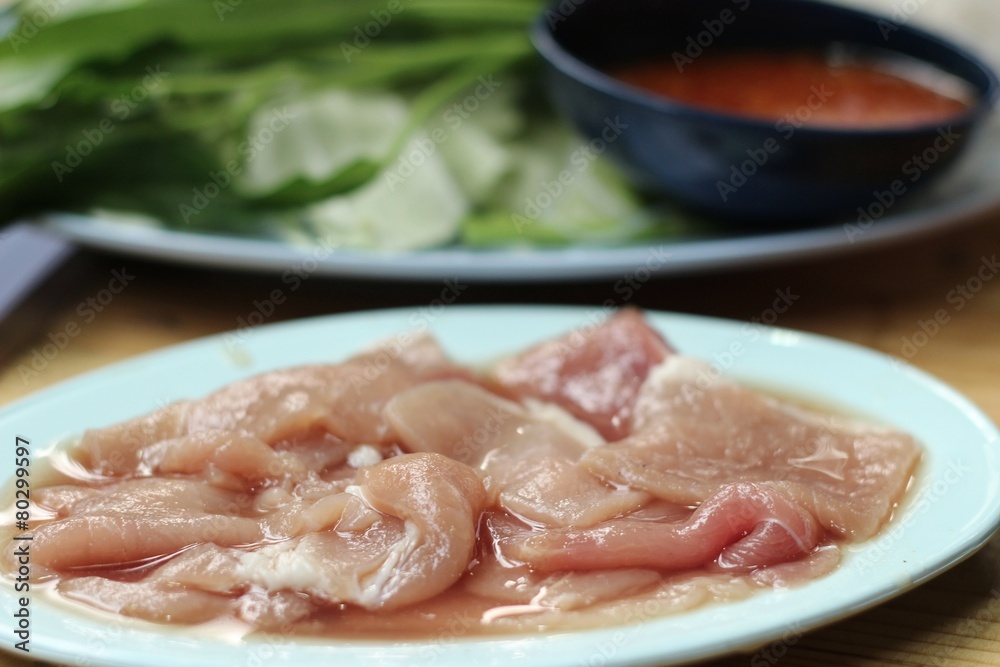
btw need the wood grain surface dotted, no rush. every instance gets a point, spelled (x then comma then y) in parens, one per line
(877, 298)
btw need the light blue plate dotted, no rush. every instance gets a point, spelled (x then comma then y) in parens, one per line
(951, 511)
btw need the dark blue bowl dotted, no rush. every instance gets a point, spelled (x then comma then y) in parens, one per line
(719, 163)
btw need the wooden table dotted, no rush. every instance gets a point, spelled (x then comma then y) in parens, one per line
(876, 298)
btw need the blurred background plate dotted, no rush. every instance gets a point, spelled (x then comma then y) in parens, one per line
(962, 197)
(966, 195)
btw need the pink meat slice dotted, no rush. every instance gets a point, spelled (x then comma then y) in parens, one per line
(742, 527)
(345, 400)
(404, 532)
(241, 455)
(524, 590)
(61, 499)
(140, 519)
(407, 532)
(694, 434)
(237, 461)
(820, 562)
(594, 374)
(529, 461)
(317, 452)
(113, 450)
(439, 502)
(196, 586)
(149, 601)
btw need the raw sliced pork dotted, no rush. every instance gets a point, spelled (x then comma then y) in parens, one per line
(694, 433)
(403, 532)
(742, 527)
(529, 459)
(595, 374)
(345, 400)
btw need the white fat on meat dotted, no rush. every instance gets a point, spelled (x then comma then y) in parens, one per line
(364, 455)
(406, 533)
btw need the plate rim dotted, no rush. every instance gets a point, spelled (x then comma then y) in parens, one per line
(671, 256)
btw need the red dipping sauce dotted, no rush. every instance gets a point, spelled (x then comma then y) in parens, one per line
(831, 90)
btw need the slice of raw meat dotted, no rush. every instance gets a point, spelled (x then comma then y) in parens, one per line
(595, 374)
(820, 562)
(241, 455)
(345, 400)
(151, 601)
(439, 501)
(139, 519)
(196, 586)
(742, 527)
(113, 450)
(694, 433)
(406, 531)
(529, 458)
(522, 590)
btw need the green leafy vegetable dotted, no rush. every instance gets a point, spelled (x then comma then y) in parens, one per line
(377, 124)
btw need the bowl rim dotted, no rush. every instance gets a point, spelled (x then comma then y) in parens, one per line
(557, 56)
